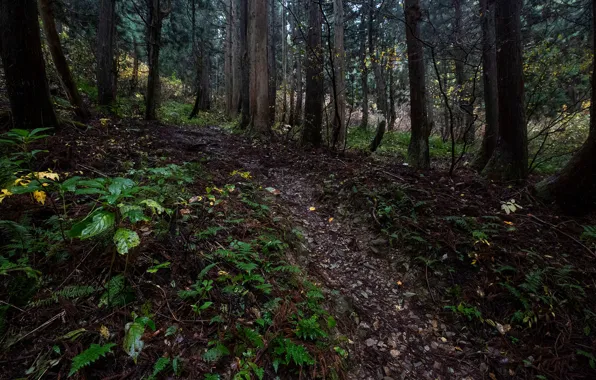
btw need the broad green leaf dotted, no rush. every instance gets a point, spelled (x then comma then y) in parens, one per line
(133, 345)
(157, 267)
(125, 240)
(38, 130)
(133, 213)
(96, 223)
(70, 184)
(154, 206)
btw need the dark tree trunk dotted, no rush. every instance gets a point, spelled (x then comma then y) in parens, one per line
(24, 67)
(106, 31)
(155, 22)
(259, 78)
(364, 71)
(392, 110)
(574, 188)
(313, 109)
(135, 67)
(245, 67)
(491, 92)
(510, 158)
(53, 39)
(202, 100)
(272, 60)
(418, 150)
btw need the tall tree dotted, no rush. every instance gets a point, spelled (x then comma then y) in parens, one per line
(229, 58)
(339, 77)
(510, 158)
(574, 188)
(313, 108)
(245, 67)
(418, 150)
(491, 92)
(106, 35)
(155, 17)
(272, 60)
(49, 26)
(259, 70)
(24, 67)
(363, 68)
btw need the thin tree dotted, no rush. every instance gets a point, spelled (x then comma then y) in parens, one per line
(574, 188)
(418, 150)
(24, 67)
(272, 60)
(339, 60)
(491, 92)
(259, 78)
(363, 69)
(156, 15)
(313, 108)
(49, 26)
(510, 158)
(245, 66)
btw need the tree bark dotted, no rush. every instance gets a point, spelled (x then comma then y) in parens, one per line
(284, 64)
(418, 150)
(49, 25)
(155, 20)
(299, 77)
(272, 60)
(203, 98)
(259, 79)
(339, 117)
(364, 70)
(510, 158)
(106, 33)
(313, 108)
(491, 92)
(228, 60)
(574, 188)
(245, 67)
(24, 67)
(135, 67)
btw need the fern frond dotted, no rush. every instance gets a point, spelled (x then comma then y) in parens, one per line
(90, 355)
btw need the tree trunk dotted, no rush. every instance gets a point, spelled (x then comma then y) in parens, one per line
(574, 188)
(284, 64)
(491, 93)
(272, 61)
(313, 108)
(510, 158)
(259, 79)
(228, 60)
(135, 67)
(299, 57)
(364, 70)
(155, 20)
(24, 67)
(203, 98)
(49, 25)
(392, 110)
(245, 67)
(339, 118)
(418, 150)
(106, 33)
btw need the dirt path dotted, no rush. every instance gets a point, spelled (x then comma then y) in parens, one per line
(392, 332)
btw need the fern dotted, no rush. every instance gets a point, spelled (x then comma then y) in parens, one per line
(309, 329)
(252, 337)
(90, 355)
(287, 352)
(215, 353)
(69, 292)
(160, 365)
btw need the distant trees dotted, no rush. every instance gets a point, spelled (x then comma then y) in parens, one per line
(418, 150)
(106, 73)
(24, 67)
(510, 157)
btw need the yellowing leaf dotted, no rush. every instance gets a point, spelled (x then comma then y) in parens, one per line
(104, 332)
(312, 208)
(40, 196)
(330, 220)
(4, 193)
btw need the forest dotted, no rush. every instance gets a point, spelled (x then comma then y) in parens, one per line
(297, 189)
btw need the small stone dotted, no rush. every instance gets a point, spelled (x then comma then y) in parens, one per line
(417, 364)
(426, 348)
(371, 342)
(437, 366)
(394, 353)
(434, 345)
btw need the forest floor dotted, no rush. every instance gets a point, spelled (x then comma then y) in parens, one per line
(427, 276)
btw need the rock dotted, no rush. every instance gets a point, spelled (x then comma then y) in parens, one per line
(371, 342)
(437, 366)
(434, 345)
(395, 353)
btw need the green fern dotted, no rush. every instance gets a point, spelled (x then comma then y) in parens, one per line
(216, 352)
(287, 352)
(69, 292)
(90, 355)
(160, 365)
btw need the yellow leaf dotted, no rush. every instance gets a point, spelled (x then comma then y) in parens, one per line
(508, 223)
(40, 196)
(330, 220)
(104, 332)
(4, 193)
(312, 209)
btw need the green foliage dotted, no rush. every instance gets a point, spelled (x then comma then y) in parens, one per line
(133, 344)
(309, 329)
(286, 352)
(72, 292)
(468, 311)
(90, 355)
(160, 365)
(117, 293)
(216, 352)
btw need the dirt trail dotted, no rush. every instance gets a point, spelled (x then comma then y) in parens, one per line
(391, 336)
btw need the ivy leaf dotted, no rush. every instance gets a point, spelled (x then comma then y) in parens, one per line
(125, 240)
(96, 223)
(133, 345)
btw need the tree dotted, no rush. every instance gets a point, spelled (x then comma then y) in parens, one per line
(272, 60)
(339, 74)
(24, 67)
(259, 71)
(49, 25)
(245, 66)
(418, 150)
(574, 188)
(106, 31)
(491, 92)
(155, 19)
(313, 108)
(510, 158)
(363, 69)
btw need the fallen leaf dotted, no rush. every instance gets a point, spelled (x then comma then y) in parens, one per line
(330, 220)
(312, 208)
